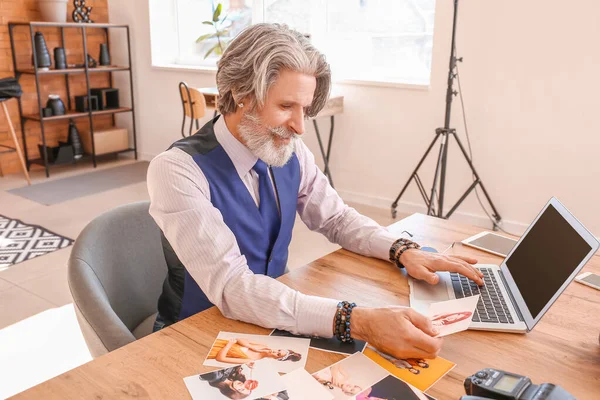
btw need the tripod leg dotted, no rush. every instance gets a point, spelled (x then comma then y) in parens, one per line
(436, 174)
(412, 176)
(440, 211)
(496, 215)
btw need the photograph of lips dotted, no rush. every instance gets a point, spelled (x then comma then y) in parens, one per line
(249, 381)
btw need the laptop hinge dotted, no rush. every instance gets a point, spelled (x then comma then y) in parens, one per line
(512, 299)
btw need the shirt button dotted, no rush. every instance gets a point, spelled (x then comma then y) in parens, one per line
(270, 259)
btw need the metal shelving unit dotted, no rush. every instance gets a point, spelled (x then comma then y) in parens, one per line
(66, 72)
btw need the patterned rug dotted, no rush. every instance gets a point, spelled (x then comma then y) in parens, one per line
(21, 242)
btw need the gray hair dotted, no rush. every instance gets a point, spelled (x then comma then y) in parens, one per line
(253, 60)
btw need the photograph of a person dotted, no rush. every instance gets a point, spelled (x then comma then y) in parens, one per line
(391, 388)
(300, 385)
(248, 381)
(327, 344)
(347, 378)
(420, 373)
(452, 316)
(448, 319)
(277, 396)
(287, 354)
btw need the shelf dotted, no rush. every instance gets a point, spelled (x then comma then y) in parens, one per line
(77, 114)
(111, 68)
(85, 157)
(67, 24)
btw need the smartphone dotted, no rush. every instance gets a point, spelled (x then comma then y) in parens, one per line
(491, 242)
(589, 279)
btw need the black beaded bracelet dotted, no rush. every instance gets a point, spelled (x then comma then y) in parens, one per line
(401, 250)
(342, 322)
(399, 247)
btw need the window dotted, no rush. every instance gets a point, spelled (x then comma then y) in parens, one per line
(364, 40)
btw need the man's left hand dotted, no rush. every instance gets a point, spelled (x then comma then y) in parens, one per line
(423, 265)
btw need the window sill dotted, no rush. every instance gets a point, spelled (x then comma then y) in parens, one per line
(183, 68)
(213, 70)
(388, 84)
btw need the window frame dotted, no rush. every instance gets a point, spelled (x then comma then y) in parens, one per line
(173, 62)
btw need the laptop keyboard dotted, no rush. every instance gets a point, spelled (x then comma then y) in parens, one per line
(491, 306)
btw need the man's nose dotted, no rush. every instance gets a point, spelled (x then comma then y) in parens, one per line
(297, 122)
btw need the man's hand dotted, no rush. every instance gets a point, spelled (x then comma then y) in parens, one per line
(398, 331)
(423, 265)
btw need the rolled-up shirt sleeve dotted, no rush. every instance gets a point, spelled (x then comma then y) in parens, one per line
(180, 204)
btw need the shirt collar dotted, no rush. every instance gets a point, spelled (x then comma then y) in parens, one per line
(241, 156)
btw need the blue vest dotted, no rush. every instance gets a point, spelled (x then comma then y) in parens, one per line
(181, 295)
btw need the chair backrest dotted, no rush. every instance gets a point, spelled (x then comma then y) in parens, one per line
(194, 104)
(116, 271)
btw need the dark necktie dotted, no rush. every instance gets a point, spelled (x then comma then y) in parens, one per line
(268, 205)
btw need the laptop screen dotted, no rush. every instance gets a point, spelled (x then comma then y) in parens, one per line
(545, 258)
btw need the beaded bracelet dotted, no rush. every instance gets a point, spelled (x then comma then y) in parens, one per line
(342, 322)
(399, 247)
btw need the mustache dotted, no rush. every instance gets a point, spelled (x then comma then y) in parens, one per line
(279, 131)
(283, 133)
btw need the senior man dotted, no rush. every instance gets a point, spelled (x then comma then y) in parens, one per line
(226, 199)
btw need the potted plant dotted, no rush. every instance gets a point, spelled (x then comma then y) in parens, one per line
(221, 32)
(53, 10)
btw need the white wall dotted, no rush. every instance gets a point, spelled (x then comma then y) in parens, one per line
(530, 78)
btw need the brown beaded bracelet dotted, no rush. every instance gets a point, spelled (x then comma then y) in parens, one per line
(342, 322)
(399, 247)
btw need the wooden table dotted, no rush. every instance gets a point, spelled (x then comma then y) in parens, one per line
(333, 107)
(562, 349)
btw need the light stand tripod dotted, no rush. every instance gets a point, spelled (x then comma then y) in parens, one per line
(440, 170)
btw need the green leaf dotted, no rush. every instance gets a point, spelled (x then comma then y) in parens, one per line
(211, 50)
(223, 33)
(204, 37)
(208, 22)
(217, 12)
(219, 50)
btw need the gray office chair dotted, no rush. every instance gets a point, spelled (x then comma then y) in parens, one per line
(116, 272)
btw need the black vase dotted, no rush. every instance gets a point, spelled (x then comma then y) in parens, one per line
(56, 104)
(104, 56)
(60, 58)
(75, 140)
(41, 51)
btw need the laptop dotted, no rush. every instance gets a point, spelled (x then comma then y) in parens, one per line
(516, 294)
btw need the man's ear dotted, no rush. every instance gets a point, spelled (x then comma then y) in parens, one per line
(245, 104)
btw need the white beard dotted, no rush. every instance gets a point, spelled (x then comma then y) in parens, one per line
(260, 139)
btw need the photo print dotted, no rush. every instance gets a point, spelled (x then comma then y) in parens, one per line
(452, 316)
(392, 388)
(300, 385)
(249, 381)
(332, 344)
(421, 373)
(286, 354)
(350, 376)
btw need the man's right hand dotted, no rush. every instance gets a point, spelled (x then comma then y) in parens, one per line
(398, 331)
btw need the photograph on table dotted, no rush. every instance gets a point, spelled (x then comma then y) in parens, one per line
(300, 385)
(350, 376)
(452, 316)
(420, 373)
(332, 344)
(392, 388)
(248, 381)
(286, 354)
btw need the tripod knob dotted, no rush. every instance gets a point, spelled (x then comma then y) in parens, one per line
(459, 59)
(454, 92)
